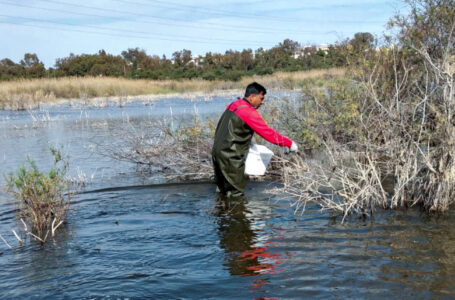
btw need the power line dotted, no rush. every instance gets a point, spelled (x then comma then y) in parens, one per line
(214, 26)
(184, 7)
(166, 5)
(179, 6)
(265, 30)
(144, 33)
(118, 35)
(131, 13)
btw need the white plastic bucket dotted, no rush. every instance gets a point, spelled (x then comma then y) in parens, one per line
(257, 160)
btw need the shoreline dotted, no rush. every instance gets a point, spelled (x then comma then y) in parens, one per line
(146, 98)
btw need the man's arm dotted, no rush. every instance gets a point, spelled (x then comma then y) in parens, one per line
(251, 117)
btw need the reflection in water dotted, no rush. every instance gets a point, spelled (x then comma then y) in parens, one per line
(418, 246)
(236, 236)
(243, 254)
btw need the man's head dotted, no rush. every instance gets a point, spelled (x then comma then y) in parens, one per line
(255, 93)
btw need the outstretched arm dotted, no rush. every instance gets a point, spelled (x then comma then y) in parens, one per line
(251, 117)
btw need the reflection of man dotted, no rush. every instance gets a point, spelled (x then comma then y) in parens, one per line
(236, 235)
(239, 241)
(233, 137)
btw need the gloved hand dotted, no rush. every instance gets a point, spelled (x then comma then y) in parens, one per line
(294, 147)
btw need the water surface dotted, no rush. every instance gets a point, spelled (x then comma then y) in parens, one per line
(181, 241)
(130, 236)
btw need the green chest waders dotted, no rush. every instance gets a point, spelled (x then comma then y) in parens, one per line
(230, 148)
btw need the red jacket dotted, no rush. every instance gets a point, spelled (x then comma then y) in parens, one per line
(248, 114)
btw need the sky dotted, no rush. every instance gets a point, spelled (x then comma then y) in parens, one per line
(55, 28)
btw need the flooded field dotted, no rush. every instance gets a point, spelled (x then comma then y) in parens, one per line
(133, 236)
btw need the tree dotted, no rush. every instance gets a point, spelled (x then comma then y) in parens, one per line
(10, 70)
(362, 41)
(32, 65)
(30, 59)
(134, 58)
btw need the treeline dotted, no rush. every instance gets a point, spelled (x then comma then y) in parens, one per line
(232, 65)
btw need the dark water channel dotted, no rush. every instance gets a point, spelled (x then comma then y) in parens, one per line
(131, 237)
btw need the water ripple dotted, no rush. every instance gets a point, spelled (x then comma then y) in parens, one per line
(162, 242)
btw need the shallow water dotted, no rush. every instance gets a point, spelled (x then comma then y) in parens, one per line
(180, 241)
(78, 130)
(129, 237)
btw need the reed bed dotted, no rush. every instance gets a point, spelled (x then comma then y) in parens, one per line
(291, 80)
(27, 94)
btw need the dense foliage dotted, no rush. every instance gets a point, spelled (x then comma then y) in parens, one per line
(232, 65)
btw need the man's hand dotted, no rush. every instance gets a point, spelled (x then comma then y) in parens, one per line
(294, 147)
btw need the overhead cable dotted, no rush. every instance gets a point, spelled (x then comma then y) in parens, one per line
(252, 29)
(187, 25)
(142, 33)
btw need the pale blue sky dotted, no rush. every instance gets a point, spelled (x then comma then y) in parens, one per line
(55, 28)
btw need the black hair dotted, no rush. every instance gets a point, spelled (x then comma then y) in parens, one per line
(254, 88)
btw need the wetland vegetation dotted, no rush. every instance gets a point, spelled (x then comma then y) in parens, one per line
(383, 125)
(29, 93)
(43, 198)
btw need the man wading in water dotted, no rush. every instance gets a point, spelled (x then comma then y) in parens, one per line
(233, 135)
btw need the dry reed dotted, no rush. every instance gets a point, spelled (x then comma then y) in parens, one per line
(27, 94)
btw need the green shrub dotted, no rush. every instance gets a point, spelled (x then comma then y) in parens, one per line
(41, 196)
(232, 75)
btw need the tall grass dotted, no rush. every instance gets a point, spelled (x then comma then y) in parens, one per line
(25, 94)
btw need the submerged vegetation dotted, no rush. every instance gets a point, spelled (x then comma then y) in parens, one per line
(41, 197)
(181, 154)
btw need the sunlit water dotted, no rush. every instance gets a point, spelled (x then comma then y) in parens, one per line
(130, 237)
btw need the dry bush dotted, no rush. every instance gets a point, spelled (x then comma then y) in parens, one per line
(401, 127)
(178, 155)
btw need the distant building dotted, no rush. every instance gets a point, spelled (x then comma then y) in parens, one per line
(196, 60)
(302, 51)
(324, 47)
